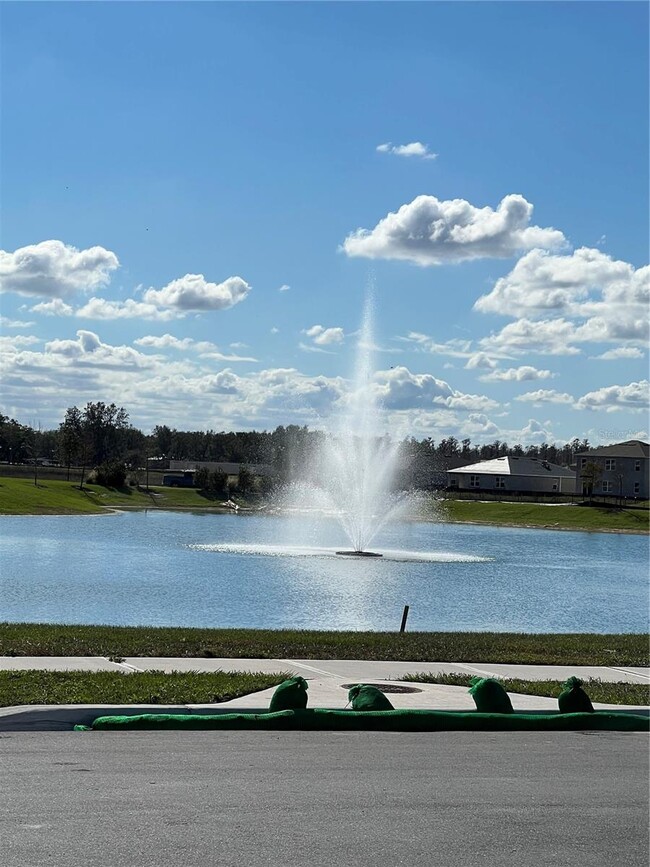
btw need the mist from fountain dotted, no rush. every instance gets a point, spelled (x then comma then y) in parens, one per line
(353, 472)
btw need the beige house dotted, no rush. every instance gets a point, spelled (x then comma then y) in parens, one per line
(515, 474)
(620, 470)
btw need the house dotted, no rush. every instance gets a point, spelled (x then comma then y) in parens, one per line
(227, 467)
(619, 470)
(515, 474)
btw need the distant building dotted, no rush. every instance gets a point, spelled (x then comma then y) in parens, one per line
(516, 474)
(184, 479)
(230, 469)
(622, 470)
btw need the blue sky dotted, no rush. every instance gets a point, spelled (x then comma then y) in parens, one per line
(197, 196)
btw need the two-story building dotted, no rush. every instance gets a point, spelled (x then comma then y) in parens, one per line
(520, 475)
(619, 470)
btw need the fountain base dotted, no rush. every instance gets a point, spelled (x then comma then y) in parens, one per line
(358, 554)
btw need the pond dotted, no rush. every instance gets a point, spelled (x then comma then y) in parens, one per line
(215, 570)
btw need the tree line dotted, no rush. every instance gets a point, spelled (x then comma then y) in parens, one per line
(100, 437)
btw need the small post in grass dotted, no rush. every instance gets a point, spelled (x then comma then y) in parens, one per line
(405, 615)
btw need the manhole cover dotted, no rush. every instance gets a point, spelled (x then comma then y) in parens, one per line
(385, 687)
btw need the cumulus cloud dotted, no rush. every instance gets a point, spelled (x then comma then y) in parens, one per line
(516, 374)
(89, 349)
(204, 348)
(480, 361)
(52, 269)
(543, 395)
(325, 336)
(542, 283)
(546, 337)
(619, 352)
(412, 149)
(55, 307)
(284, 288)
(400, 389)
(428, 231)
(101, 308)
(194, 293)
(633, 397)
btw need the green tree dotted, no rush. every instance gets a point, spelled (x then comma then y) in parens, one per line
(245, 480)
(590, 474)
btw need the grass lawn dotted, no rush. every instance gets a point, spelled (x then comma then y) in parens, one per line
(33, 639)
(597, 690)
(551, 517)
(108, 687)
(20, 496)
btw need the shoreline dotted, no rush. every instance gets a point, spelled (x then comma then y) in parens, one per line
(244, 510)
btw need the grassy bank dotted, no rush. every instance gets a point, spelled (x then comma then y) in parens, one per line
(594, 518)
(597, 690)
(23, 497)
(108, 687)
(20, 496)
(32, 639)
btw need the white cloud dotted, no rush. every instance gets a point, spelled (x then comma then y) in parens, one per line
(517, 374)
(16, 342)
(5, 322)
(633, 397)
(168, 341)
(204, 348)
(89, 349)
(480, 361)
(546, 337)
(583, 283)
(55, 307)
(100, 308)
(619, 352)
(325, 336)
(399, 389)
(194, 293)
(543, 395)
(428, 231)
(412, 149)
(456, 347)
(52, 269)
(284, 288)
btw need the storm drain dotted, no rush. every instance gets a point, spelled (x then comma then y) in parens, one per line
(385, 687)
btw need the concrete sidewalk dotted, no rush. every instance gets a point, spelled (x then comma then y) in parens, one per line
(328, 681)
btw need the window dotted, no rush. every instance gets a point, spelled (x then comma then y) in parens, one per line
(474, 482)
(637, 466)
(608, 487)
(453, 483)
(499, 482)
(637, 487)
(610, 463)
(583, 463)
(555, 486)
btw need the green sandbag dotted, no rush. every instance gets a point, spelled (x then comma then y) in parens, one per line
(321, 719)
(365, 697)
(290, 695)
(574, 699)
(490, 696)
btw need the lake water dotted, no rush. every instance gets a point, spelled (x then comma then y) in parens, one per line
(193, 569)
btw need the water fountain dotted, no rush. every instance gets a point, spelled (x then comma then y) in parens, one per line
(352, 473)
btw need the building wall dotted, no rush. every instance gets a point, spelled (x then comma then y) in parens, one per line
(549, 484)
(620, 480)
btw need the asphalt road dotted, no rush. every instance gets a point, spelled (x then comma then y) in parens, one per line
(318, 799)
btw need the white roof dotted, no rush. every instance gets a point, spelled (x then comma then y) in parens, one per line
(515, 466)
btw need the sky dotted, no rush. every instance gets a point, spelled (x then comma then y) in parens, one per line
(197, 199)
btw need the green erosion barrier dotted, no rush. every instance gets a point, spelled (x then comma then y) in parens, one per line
(317, 719)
